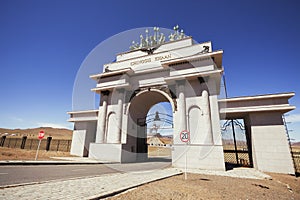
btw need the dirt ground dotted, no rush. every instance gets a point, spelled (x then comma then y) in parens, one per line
(24, 154)
(159, 151)
(217, 187)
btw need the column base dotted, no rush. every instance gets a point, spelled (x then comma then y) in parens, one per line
(115, 153)
(105, 152)
(207, 157)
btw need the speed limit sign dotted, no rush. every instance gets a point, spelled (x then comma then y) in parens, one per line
(185, 136)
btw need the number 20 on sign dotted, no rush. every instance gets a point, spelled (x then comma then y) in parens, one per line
(185, 136)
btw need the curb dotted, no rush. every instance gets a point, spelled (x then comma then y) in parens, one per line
(107, 193)
(3, 163)
(51, 181)
(123, 189)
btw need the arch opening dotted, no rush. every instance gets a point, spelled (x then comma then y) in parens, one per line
(141, 119)
(160, 127)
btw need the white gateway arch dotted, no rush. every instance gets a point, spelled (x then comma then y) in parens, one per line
(188, 76)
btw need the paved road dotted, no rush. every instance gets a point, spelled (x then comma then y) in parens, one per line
(39, 173)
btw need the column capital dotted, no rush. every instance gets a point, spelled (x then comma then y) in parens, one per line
(180, 82)
(120, 90)
(105, 92)
(203, 79)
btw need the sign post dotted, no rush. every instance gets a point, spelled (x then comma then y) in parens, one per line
(185, 137)
(40, 137)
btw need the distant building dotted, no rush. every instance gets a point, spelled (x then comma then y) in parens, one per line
(155, 141)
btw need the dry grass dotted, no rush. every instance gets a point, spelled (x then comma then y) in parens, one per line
(159, 151)
(296, 148)
(24, 154)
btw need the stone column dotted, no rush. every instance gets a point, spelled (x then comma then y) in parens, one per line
(181, 105)
(120, 114)
(207, 119)
(100, 136)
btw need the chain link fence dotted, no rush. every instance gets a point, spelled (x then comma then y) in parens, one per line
(241, 158)
(238, 157)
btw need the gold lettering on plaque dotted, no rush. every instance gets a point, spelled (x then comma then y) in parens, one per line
(157, 58)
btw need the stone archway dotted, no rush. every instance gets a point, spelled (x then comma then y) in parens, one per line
(138, 79)
(136, 141)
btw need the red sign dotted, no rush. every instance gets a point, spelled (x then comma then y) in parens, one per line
(185, 136)
(41, 135)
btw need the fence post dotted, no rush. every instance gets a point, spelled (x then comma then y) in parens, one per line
(234, 139)
(68, 148)
(2, 140)
(24, 138)
(16, 140)
(8, 142)
(48, 143)
(57, 145)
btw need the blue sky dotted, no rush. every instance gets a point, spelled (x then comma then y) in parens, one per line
(43, 43)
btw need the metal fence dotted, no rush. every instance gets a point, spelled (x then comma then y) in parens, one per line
(239, 157)
(243, 159)
(296, 157)
(48, 144)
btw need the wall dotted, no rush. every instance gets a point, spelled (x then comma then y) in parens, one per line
(83, 135)
(205, 150)
(270, 146)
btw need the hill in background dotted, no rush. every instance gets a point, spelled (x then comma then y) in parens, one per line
(296, 144)
(66, 134)
(55, 133)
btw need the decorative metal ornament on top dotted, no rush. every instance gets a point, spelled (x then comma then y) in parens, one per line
(149, 43)
(235, 122)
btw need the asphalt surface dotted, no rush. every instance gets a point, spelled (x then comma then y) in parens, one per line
(16, 174)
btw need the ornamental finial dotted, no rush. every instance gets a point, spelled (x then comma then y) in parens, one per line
(157, 38)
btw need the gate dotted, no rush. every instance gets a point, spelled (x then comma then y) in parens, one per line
(158, 122)
(236, 145)
(153, 126)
